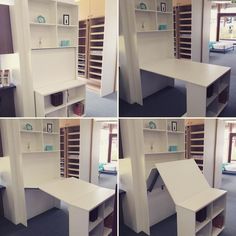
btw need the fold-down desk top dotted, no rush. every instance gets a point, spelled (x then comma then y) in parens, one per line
(192, 72)
(77, 192)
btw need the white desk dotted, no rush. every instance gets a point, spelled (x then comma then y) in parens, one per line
(198, 77)
(82, 198)
(191, 193)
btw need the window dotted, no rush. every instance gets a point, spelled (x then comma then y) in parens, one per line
(109, 143)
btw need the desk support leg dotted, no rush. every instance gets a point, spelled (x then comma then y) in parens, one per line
(78, 222)
(196, 100)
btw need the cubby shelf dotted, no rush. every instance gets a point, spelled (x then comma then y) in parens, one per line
(152, 19)
(73, 93)
(161, 142)
(53, 32)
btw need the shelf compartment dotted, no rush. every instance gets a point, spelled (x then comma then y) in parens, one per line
(43, 37)
(58, 113)
(76, 94)
(31, 142)
(69, 9)
(203, 213)
(44, 8)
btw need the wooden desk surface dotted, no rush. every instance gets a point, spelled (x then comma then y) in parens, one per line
(77, 192)
(192, 72)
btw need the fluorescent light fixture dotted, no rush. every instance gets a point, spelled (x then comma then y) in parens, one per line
(7, 2)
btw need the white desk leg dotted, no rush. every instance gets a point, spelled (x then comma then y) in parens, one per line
(78, 222)
(185, 222)
(196, 100)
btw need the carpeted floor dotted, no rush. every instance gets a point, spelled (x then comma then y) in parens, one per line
(168, 227)
(171, 102)
(101, 106)
(54, 222)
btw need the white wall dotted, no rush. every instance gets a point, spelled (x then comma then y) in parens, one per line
(7, 2)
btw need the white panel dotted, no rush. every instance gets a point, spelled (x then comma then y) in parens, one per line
(78, 222)
(196, 93)
(183, 179)
(196, 30)
(129, 65)
(126, 183)
(219, 153)
(95, 151)
(209, 149)
(161, 205)
(37, 202)
(110, 48)
(85, 148)
(53, 66)
(40, 168)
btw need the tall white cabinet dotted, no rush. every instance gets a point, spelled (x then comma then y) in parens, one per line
(147, 142)
(47, 46)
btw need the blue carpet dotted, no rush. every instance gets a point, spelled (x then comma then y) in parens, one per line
(168, 227)
(54, 222)
(101, 106)
(171, 102)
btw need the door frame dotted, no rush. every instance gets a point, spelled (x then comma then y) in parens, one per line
(231, 135)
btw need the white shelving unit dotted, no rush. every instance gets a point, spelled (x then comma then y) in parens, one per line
(73, 93)
(51, 33)
(40, 151)
(49, 49)
(158, 142)
(200, 208)
(149, 20)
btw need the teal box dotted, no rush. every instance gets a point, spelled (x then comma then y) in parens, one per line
(48, 148)
(162, 27)
(173, 148)
(65, 43)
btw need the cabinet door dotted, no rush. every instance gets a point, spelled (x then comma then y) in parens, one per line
(97, 8)
(6, 46)
(84, 10)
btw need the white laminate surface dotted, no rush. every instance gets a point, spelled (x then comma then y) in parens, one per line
(202, 199)
(192, 72)
(183, 179)
(59, 86)
(77, 192)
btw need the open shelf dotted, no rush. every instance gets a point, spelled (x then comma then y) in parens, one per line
(53, 33)
(73, 92)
